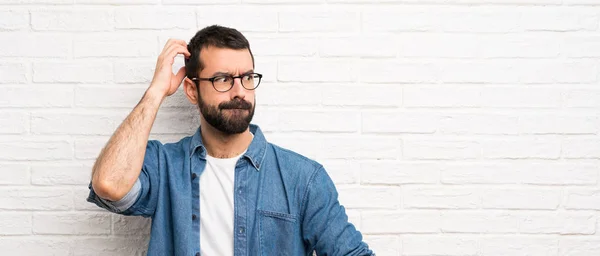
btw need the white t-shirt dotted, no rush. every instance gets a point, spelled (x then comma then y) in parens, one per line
(216, 206)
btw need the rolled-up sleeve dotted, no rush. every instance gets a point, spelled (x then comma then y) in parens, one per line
(143, 196)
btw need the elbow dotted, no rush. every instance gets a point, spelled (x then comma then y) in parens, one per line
(107, 190)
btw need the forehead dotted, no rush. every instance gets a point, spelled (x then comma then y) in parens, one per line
(225, 60)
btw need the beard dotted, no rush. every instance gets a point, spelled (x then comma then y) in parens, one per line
(241, 113)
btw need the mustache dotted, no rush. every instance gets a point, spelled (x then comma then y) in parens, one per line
(235, 104)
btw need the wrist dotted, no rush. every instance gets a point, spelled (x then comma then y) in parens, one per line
(155, 95)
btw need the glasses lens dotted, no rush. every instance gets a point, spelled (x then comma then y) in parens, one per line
(251, 81)
(222, 83)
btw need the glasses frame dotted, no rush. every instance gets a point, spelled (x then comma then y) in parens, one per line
(212, 80)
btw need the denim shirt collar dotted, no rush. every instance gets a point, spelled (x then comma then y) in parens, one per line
(255, 153)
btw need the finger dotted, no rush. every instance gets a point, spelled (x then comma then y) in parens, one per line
(178, 50)
(173, 41)
(169, 48)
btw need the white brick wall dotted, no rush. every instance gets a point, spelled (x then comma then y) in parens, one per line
(451, 127)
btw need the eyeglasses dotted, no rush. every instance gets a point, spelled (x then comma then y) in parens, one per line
(223, 83)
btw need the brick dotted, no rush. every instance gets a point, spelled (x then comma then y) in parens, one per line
(316, 71)
(479, 222)
(319, 121)
(400, 222)
(479, 19)
(120, 2)
(372, 46)
(15, 223)
(18, 44)
(563, 173)
(36, 245)
(54, 199)
(387, 122)
(521, 198)
(384, 244)
(14, 73)
(384, 95)
(72, 223)
(396, 173)
(435, 45)
(45, 96)
(581, 2)
(370, 197)
(201, 2)
(581, 199)
(478, 124)
(581, 148)
(318, 21)
(479, 173)
(61, 174)
(267, 67)
(53, 2)
(379, 71)
(441, 96)
(547, 72)
(497, 71)
(578, 246)
(176, 121)
(14, 174)
(32, 149)
(130, 71)
(14, 122)
(83, 123)
(244, 19)
(564, 223)
(14, 20)
(404, 20)
(282, 1)
(581, 98)
(506, 97)
(539, 148)
(130, 225)
(155, 18)
(79, 71)
(103, 246)
(519, 46)
(559, 19)
(283, 46)
(342, 172)
(582, 46)
(440, 198)
(114, 45)
(359, 148)
(519, 245)
(440, 149)
(108, 96)
(97, 19)
(89, 148)
(271, 94)
(354, 217)
(559, 124)
(439, 245)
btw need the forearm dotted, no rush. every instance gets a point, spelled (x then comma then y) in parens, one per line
(120, 162)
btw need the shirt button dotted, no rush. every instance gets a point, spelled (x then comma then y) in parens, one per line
(197, 254)
(242, 230)
(194, 176)
(194, 217)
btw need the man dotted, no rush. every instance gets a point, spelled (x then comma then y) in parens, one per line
(225, 190)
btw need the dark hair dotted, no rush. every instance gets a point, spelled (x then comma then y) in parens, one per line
(217, 36)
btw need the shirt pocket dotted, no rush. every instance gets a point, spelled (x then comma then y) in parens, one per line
(279, 233)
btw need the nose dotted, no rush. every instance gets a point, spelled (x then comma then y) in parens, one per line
(238, 91)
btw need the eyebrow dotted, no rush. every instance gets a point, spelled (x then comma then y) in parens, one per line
(219, 73)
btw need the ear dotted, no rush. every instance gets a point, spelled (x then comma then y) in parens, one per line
(190, 90)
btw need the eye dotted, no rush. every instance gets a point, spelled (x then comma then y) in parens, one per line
(248, 77)
(222, 79)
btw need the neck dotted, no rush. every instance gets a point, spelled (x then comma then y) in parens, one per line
(221, 145)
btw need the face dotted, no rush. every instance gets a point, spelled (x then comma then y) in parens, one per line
(229, 112)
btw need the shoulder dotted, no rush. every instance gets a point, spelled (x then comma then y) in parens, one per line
(180, 147)
(293, 161)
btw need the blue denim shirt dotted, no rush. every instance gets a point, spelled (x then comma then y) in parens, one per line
(284, 203)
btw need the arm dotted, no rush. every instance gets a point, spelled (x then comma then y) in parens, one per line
(119, 164)
(324, 220)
